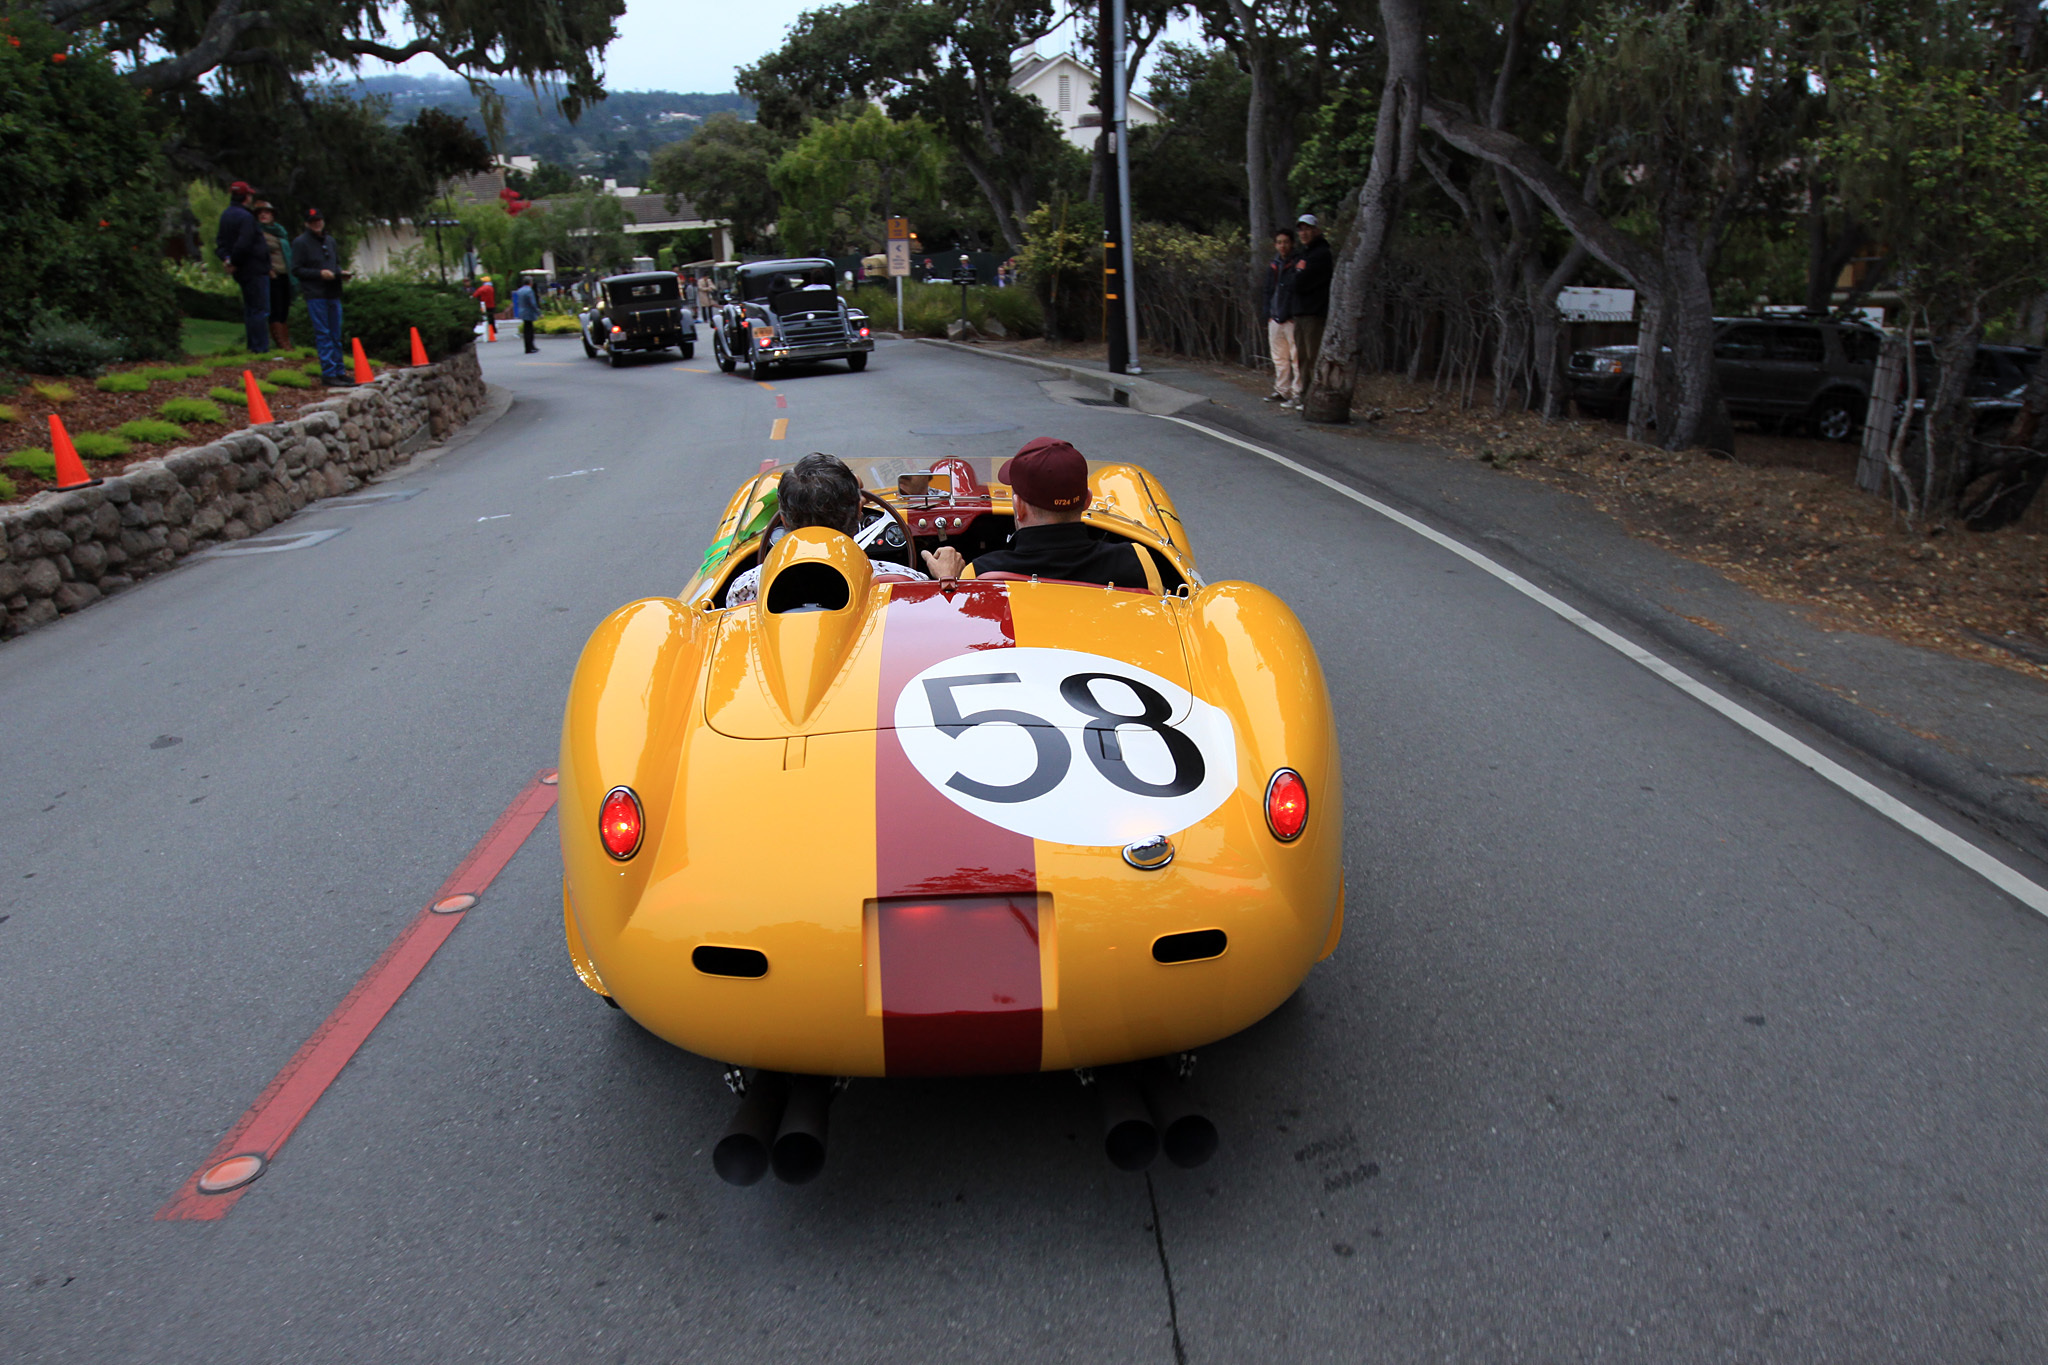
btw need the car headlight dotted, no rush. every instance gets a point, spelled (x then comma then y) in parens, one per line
(1616, 367)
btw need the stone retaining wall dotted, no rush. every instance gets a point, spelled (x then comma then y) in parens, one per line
(63, 551)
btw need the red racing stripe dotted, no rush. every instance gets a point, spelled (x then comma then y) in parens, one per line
(957, 909)
(263, 1130)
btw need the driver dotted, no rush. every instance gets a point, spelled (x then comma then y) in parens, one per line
(819, 491)
(1048, 481)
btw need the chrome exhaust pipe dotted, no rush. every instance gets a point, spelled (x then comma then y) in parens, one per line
(741, 1156)
(799, 1152)
(1185, 1133)
(1129, 1138)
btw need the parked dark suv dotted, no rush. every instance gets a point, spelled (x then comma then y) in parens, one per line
(1811, 370)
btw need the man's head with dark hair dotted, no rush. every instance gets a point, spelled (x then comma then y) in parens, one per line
(820, 491)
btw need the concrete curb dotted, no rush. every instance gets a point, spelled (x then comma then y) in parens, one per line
(1130, 391)
(1976, 790)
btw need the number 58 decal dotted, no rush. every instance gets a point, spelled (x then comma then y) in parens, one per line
(1067, 747)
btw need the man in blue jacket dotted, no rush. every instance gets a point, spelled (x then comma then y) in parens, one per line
(245, 253)
(526, 308)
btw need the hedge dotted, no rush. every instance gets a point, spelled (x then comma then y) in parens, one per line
(383, 312)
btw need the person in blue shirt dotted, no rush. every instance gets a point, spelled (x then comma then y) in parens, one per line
(526, 308)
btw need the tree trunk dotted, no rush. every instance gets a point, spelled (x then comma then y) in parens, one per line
(1948, 423)
(1701, 418)
(1542, 291)
(1882, 415)
(1379, 204)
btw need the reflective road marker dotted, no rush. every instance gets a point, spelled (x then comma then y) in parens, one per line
(2027, 892)
(254, 1142)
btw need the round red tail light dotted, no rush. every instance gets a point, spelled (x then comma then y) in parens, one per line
(619, 824)
(1287, 805)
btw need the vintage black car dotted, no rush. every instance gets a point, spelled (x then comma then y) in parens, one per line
(639, 312)
(787, 313)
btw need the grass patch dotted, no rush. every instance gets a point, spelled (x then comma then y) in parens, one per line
(291, 379)
(149, 431)
(6, 487)
(98, 445)
(54, 393)
(221, 393)
(191, 410)
(40, 463)
(128, 381)
(204, 336)
(312, 369)
(8, 414)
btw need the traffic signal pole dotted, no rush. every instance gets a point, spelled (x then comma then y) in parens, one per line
(1114, 277)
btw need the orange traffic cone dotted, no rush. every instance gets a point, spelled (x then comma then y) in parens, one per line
(259, 411)
(70, 469)
(419, 349)
(363, 372)
(492, 324)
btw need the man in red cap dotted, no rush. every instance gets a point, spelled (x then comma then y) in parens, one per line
(245, 252)
(1048, 481)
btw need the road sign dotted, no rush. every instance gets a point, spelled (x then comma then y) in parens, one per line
(899, 229)
(899, 255)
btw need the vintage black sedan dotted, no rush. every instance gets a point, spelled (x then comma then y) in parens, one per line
(638, 312)
(779, 313)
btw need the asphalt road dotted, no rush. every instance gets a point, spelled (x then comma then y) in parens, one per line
(1643, 1043)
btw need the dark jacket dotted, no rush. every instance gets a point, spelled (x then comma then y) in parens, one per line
(312, 253)
(240, 243)
(1313, 268)
(1280, 277)
(1076, 552)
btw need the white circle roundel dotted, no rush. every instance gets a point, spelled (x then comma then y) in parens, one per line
(1067, 747)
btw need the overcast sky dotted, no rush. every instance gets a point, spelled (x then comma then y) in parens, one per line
(669, 45)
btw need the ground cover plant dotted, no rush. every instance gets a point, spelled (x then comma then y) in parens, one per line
(290, 379)
(53, 392)
(200, 410)
(100, 445)
(152, 432)
(128, 381)
(40, 463)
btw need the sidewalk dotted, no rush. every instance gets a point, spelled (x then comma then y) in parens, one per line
(1973, 734)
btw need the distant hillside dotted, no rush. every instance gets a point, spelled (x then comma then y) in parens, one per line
(614, 138)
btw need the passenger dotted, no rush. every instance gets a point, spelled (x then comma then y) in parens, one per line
(1048, 481)
(819, 491)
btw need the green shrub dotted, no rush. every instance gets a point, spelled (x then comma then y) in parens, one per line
(558, 324)
(98, 445)
(156, 374)
(8, 414)
(382, 312)
(57, 345)
(87, 191)
(130, 381)
(40, 463)
(221, 393)
(204, 290)
(191, 410)
(927, 308)
(55, 393)
(189, 372)
(291, 379)
(6, 488)
(312, 368)
(149, 431)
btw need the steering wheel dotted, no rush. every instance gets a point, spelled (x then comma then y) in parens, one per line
(902, 522)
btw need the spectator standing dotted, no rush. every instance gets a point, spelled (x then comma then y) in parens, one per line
(1313, 270)
(280, 244)
(245, 253)
(526, 308)
(486, 295)
(316, 262)
(1280, 278)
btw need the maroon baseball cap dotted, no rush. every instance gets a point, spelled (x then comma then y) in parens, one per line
(1049, 473)
(241, 187)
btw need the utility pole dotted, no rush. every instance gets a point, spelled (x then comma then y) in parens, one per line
(1114, 327)
(1121, 90)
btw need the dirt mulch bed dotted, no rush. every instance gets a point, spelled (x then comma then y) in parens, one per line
(94, 410)
(1784, 518)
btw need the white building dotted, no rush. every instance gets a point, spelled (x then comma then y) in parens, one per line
(1067, 88)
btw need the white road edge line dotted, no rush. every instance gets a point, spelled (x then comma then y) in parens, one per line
(2027, 892)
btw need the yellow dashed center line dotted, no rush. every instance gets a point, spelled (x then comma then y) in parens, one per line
(780, 428)
(769, 387)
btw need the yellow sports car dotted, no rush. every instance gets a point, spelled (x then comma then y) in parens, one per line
(867, 826)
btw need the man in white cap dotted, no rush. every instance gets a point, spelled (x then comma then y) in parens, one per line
(1313, 266)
